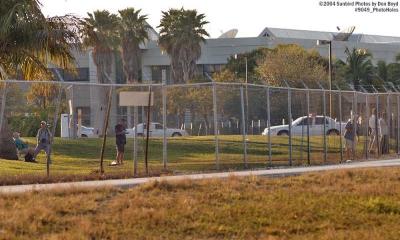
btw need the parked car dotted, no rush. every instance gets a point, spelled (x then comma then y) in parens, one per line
(316, 126)
(86, 132)
(156, 130)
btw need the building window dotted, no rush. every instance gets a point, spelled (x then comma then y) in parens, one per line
(212, 68)
(85, 115)
(81, 75)
(157, 73)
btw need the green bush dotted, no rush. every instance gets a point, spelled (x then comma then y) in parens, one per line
(29, 125)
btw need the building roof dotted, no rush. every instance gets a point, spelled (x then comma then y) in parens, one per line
(318, 35)
(153, 34)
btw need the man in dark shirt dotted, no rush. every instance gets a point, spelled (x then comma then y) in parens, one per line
(120, 141)
(350, 138)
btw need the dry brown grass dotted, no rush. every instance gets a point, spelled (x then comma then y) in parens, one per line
(350, 204)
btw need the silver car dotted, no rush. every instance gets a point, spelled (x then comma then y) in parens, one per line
(156, 130)
(316, 127)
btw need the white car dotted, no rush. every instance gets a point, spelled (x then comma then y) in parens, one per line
(299, 127)
(86, 132)
(156, 130)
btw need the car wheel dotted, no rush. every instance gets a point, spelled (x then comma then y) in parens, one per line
(283, 133)
(333, 132)
(140, 135)
(84, 135)
(176, 135)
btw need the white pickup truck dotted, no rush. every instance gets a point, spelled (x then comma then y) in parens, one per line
(156, 130)
(316, 126)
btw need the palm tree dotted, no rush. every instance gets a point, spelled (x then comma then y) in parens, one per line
(382, 70)
(133, 31)
(182, 32)
(359, 65)
(101, 33)
(28, 42)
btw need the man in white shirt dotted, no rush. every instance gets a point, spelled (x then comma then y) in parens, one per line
(373, 125)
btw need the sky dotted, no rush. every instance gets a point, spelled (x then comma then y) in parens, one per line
(250, 17)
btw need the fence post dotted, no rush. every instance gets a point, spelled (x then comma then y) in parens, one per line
(308, 128)
(146, 153)
(3, 105)
(55, 121)
(340, 124)
(398, 122)
(135, 140)
(366, 126)
(376, 126)
(73, 115)
(290, 124)
(355, 124)
(269, 127)
(106, 120)
(243, 128)
(324, 122)
(164, 113)
(388, 120)
(215, 114)
(3, 99)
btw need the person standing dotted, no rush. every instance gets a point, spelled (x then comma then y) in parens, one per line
(373, 125)
(43, 138)
(383, 134)
(349, 136)
(120, 141)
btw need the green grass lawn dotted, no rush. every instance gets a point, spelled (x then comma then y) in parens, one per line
(349, 204)
(185, 155)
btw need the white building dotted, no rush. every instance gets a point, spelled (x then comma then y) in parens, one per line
(215, 54)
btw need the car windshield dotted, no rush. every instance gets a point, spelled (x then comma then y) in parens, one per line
(298, 121)
(153, 125)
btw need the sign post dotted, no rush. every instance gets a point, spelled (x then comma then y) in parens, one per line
(128, 99)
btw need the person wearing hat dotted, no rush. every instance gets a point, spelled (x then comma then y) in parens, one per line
(373, 125)
(350, 138)
(43, 138)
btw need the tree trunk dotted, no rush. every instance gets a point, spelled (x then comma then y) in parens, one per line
(131, 61)
(7, 145)
(103, 59)
(356, 83)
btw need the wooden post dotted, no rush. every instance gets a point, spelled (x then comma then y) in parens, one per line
(105, 130)
(147, 133)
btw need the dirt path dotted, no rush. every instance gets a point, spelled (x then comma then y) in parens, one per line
(136, 181)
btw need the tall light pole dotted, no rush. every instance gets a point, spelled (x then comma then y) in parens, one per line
(341, 36)
(329, 43)
(246, 92)
(247, 100)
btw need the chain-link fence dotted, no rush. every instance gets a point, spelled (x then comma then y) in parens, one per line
(193, 127)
